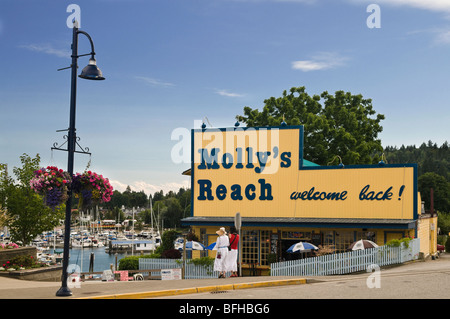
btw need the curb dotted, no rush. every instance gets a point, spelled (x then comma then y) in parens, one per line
(174, 292)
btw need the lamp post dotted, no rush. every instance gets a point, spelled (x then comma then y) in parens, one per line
(90, 72)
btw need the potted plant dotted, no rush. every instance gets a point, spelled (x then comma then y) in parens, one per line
(91, 189)
(52, 184)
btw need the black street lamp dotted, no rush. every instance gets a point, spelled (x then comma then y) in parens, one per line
(90, 72)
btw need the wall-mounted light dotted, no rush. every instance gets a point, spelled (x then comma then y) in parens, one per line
(382, 163)
(341, 165)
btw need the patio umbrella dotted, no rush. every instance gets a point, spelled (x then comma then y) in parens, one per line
(193, 245)
(362, 244)
(301, 247)
(211, 247)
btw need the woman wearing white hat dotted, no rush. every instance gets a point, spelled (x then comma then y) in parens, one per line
(222, 244)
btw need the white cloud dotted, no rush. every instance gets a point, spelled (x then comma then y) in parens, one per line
(148, 189)
(321, 61)
(154, 82)
(48, 49)
(442, 37)
(229, 94)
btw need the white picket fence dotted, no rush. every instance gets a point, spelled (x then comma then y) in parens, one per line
(191, 271)
(348, 262)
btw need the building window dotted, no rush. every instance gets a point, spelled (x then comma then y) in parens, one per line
(343, 239)
(300, 235)
(265, 246)
(255, 246)
(369, 235)
(204, 240)
(250, 246)
(328, 239)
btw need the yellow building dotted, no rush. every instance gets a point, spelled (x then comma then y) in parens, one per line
(284, 199)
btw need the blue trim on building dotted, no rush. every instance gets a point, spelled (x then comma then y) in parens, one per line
(192, 173)
(405, 226)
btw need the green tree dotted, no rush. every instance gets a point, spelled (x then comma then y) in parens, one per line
(184, 197)
(447, 244)
(158, 196)
(428, 157)
(441, 191)
(27, 214)
(444, 223)
(159, 209)
(146, 216)
(174, 212)
(167, 239)
(344, 124)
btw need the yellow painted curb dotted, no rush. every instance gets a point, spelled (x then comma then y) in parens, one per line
(173, 292)
(147, 294)
(215, 288)
(272, 283)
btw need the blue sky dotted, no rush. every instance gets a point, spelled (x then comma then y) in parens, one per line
(169, 64)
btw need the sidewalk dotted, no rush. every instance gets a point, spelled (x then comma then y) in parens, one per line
(23, 289)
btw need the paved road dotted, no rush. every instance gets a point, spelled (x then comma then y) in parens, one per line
(243, 297)
(430, 279)
(416, 280)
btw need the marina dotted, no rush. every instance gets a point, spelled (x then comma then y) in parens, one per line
(103, 248)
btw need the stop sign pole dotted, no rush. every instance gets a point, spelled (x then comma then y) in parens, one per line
(238, 224)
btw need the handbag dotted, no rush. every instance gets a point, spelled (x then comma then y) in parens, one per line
(229, 246)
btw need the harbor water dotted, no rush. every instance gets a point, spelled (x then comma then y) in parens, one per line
(102, 260)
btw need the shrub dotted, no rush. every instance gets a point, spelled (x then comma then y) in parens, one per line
(129, 263)
(9, 246)
(171, 254)
(156, 254)
(168, 237)
(22, 261)
(202, 261)
(398, 242)
(393, 243)
(447, 245)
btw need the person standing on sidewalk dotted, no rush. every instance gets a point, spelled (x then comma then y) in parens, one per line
(222, 244)
(231, 260)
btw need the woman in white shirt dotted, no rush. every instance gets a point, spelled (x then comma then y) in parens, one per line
(222, 244)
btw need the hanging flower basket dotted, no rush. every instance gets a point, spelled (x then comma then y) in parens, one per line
(52, 184)
(91, 189)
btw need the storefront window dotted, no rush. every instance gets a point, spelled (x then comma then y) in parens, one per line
(250, 246)
(328, 238)
(343, 239)
(255, 246)
(300, 235)
(203, 239)
(265, 246)
(369, 235)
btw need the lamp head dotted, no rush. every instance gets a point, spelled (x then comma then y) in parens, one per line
(91, 71)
